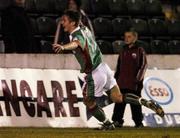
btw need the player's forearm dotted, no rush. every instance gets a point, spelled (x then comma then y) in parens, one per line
(70, 46)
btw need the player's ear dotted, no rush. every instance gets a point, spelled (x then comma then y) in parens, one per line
(73, 23)
(135, 38)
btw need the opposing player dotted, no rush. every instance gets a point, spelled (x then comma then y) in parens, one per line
(99, 77)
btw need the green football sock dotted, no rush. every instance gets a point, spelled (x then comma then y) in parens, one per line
(98, 113)
(131, 98)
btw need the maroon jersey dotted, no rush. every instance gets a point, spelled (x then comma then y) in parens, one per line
(131, 67)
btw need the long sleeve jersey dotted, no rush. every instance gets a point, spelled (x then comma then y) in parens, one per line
(131, 67)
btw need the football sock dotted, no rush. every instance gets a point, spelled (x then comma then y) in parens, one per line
(131, 98)
(98, 113)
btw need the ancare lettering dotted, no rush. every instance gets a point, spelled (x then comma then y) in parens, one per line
(35, 106)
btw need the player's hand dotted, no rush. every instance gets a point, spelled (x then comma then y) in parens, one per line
(57, 48)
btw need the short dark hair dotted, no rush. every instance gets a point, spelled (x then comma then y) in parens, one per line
(74, 16)
(133, 31)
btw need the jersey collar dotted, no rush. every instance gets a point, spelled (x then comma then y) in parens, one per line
(70, 36)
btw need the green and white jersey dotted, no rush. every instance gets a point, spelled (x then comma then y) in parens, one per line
(88, 53)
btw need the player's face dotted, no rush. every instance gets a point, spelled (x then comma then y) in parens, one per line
(67, 24)
(129, 38)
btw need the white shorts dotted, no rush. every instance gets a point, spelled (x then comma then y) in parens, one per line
(100, 80)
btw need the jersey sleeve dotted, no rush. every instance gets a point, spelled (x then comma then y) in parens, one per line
(81, 40)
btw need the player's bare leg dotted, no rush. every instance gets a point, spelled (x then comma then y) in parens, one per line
(117, 97)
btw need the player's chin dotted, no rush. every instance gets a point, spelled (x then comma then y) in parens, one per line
(127, 43)
(65, 29)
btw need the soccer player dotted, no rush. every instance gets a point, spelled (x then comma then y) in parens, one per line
(99, 77)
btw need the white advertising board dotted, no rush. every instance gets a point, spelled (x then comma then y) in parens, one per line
(53, 98)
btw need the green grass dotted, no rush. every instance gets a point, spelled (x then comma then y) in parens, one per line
(126, 132)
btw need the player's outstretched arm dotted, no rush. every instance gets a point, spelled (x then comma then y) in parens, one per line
(70, 46)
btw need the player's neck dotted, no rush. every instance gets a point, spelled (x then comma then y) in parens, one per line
(73, 29)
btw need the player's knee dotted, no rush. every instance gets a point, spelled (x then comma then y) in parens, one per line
(116, 95)
(117, 98)
(89, 102)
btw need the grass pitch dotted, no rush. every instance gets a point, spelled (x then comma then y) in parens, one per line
(125, 132)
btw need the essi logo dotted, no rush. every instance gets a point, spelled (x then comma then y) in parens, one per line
(158, 90)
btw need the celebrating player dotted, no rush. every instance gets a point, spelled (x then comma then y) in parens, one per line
(99, 77)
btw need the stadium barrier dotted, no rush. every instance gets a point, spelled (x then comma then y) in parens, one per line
(45, 91)
(66, 61)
